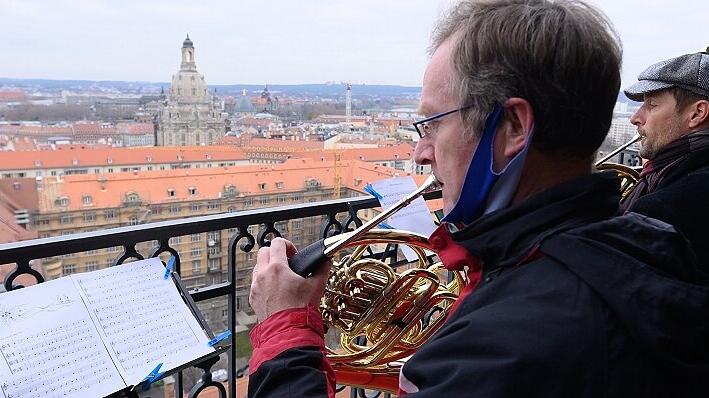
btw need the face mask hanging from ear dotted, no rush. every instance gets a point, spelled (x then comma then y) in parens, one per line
(485, 190)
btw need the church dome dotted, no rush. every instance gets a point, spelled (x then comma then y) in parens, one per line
(187, 42)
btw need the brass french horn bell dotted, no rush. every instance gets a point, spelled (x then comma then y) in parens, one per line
(382, 316)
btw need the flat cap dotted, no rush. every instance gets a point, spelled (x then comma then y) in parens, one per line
(690, 72)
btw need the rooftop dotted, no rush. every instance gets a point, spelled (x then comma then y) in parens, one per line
(171, 186)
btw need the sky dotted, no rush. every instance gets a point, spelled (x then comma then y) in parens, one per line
(282, 41)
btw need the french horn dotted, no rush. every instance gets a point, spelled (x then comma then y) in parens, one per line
(383, 316)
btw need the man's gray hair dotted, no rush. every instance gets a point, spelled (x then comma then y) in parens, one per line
(562, 56)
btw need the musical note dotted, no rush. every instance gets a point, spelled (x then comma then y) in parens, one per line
(49, 346)
(142, 317)
(95, 333)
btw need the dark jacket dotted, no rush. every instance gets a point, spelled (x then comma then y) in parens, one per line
(589, 316)
(681, 200)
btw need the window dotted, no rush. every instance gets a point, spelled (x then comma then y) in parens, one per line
(88, 217)
(214, 250)
(195, 237)
(175, 240)
(170, 192)
(229, 190)
(64, 201)
(262, 186)
(282, 226)
(175, 209)
(213, 206)
(279, 184)
(66, 219)
(265, 200)
(132, 197)
(195, 207)
(196, 266)
(113, 249)
(133, 220)
(192, 190)
(109, 214)
(214, 264)
(297, 197)
(91, 265)
(282, 198)
(297, 224)
(196, 252)
(248, 202)
(90, 252)
(68, 269)
(86, 199)
(213, 235)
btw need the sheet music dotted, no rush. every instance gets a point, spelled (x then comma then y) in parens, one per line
(142, 318)
(49, 346)
(415, 217)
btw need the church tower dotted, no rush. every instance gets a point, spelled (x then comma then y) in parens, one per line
(188, 56)
(191, 116)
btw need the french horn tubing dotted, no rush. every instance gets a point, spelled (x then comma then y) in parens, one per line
(628, 176)
(383, 316)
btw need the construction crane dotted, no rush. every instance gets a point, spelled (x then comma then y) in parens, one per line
(338, 177)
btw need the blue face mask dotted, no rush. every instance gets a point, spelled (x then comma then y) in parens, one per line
(484, 190)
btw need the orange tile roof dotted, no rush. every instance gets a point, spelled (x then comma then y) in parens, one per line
(44, 130)
(135, 128)
(152, 187)
(16, 194)
(284, 145)
(92, 128)
(24, 145)
(87, 156)
(252, 121)
(402, 151)
(19, 193)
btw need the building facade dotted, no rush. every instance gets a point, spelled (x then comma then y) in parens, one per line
(191, 115)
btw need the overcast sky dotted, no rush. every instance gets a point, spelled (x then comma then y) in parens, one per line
(281, 41)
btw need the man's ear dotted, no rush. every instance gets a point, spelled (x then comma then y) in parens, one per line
(519, 118)
(699, 115)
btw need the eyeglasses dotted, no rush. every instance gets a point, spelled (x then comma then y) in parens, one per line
(424, 128)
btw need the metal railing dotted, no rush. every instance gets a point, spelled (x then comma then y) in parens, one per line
(340, 215)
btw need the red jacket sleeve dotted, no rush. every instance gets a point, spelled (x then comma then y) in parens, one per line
(289, 356)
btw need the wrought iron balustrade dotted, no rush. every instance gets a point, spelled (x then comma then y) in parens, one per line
(341, 215)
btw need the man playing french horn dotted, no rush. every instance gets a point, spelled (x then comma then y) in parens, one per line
(563, 299)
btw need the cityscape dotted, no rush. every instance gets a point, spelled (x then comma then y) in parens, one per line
(82, 156)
